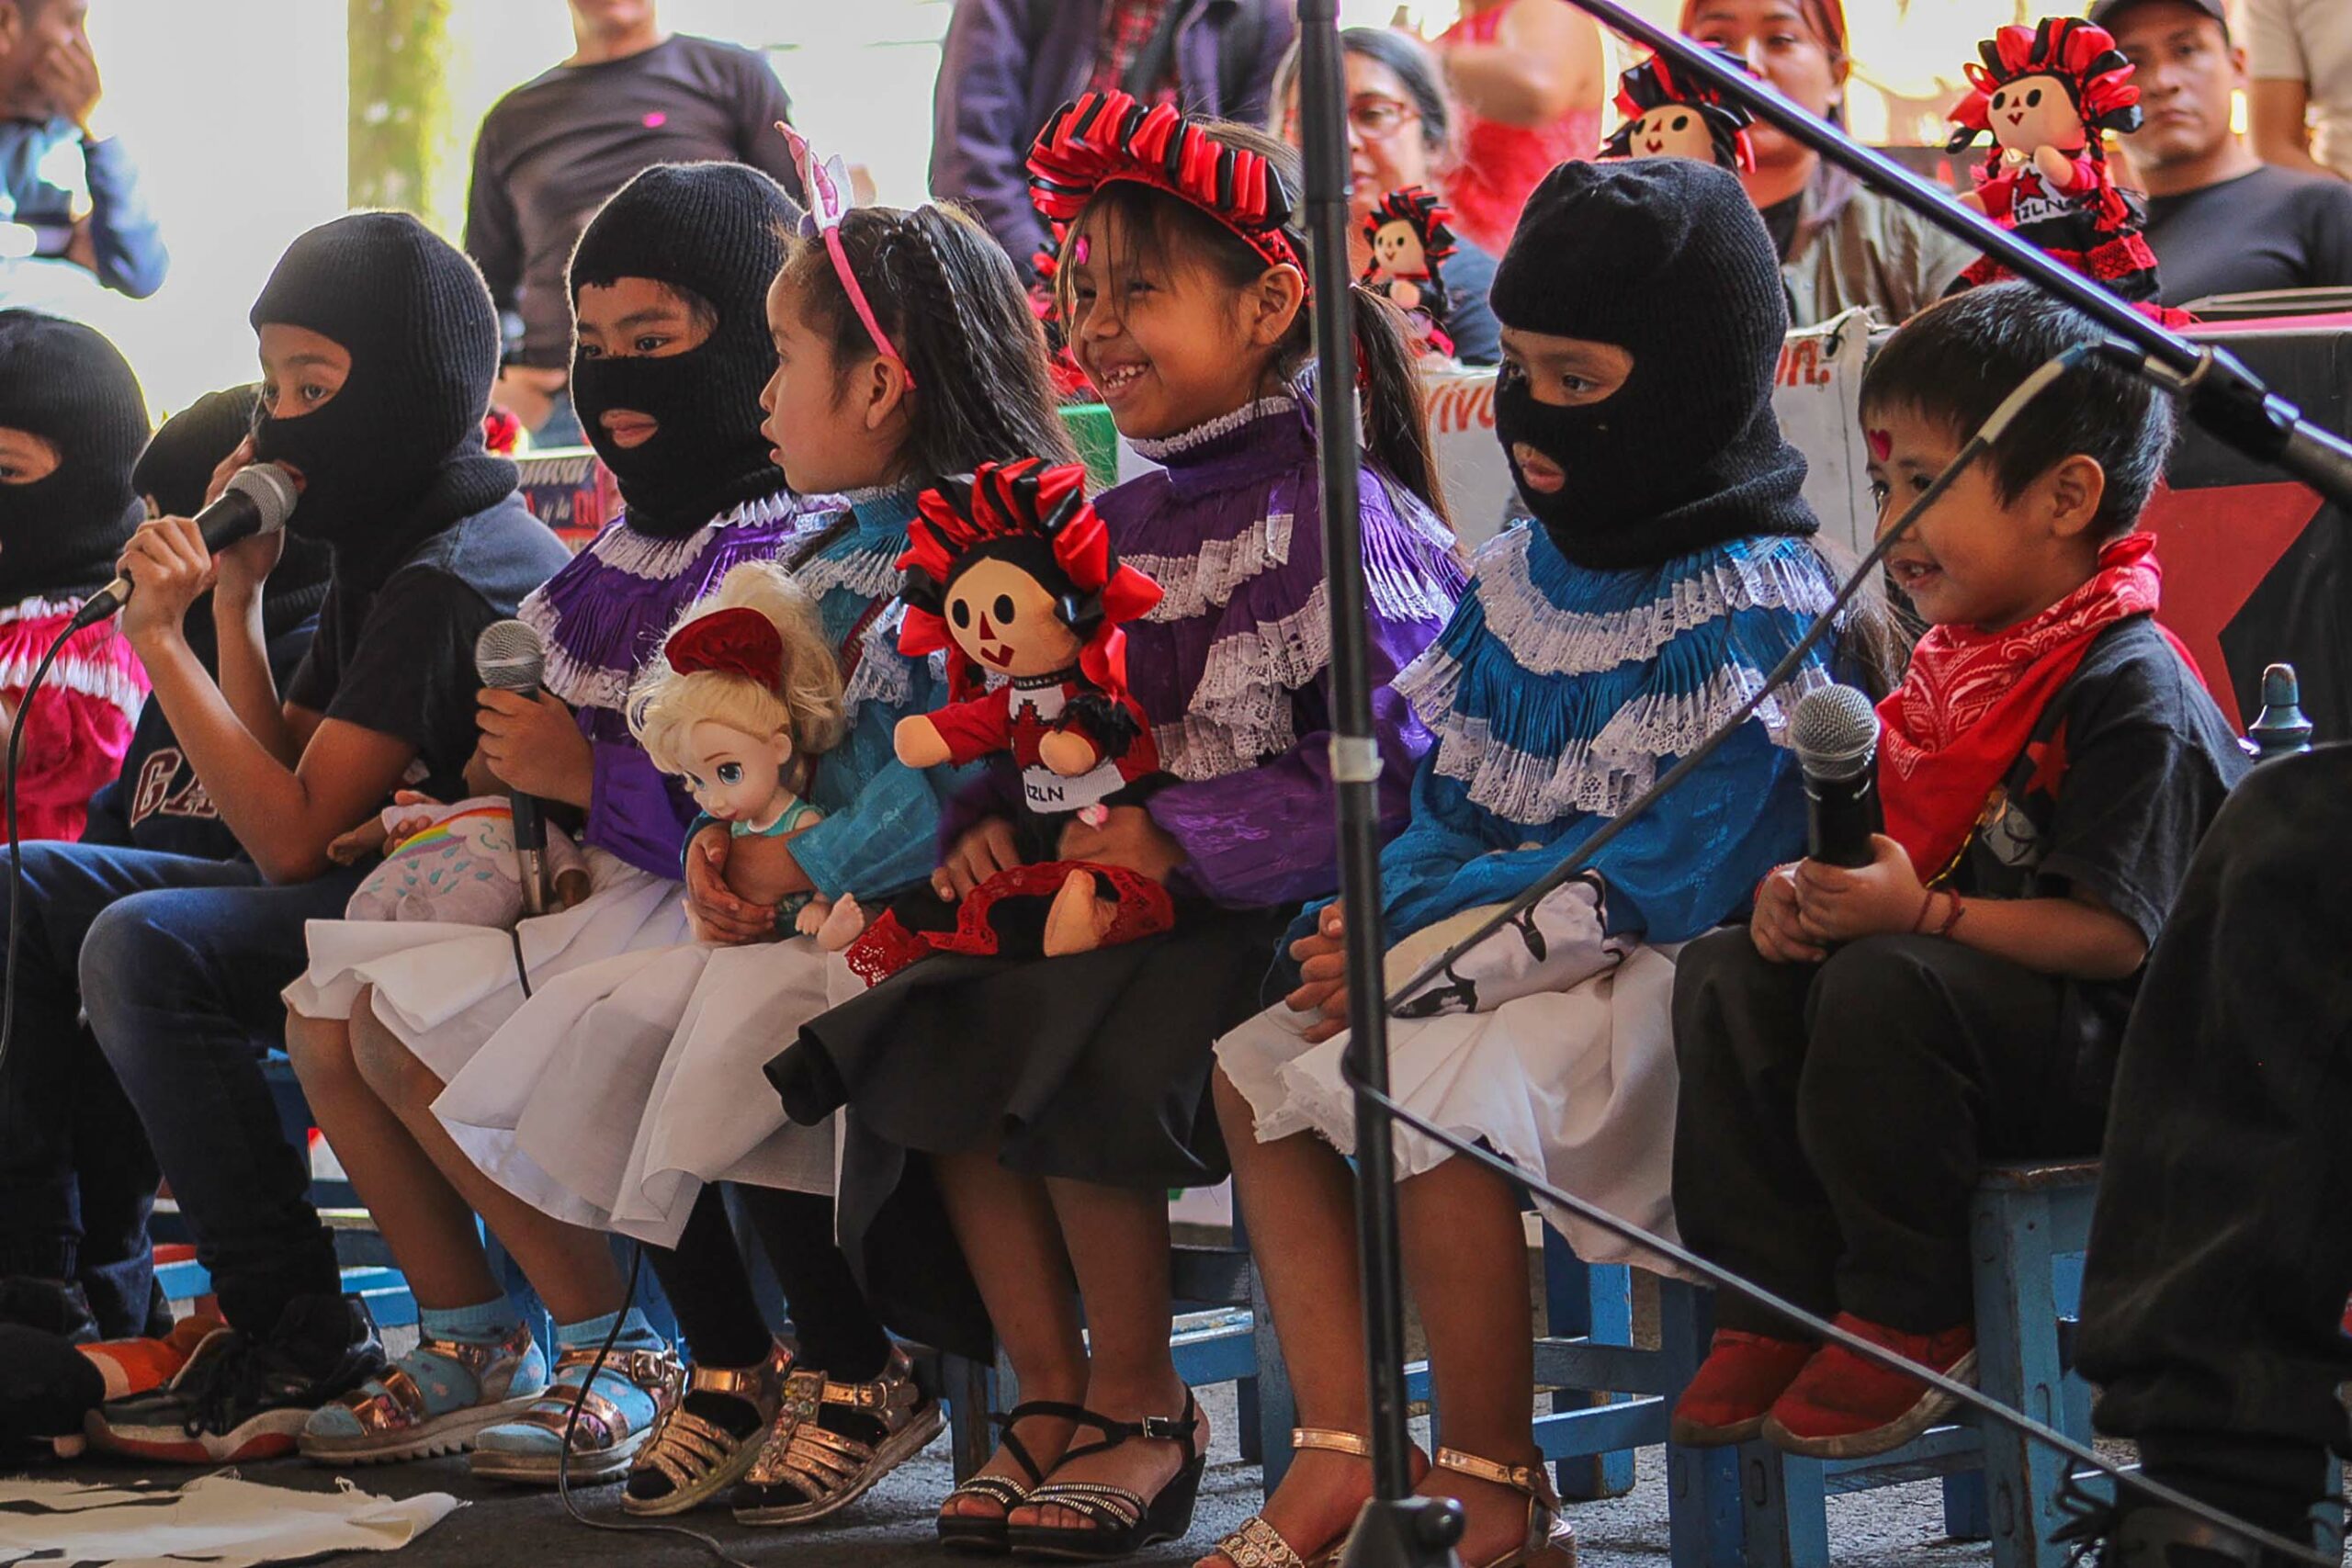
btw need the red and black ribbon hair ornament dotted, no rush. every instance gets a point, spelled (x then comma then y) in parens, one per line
(2079, 54)
(1105, 138)
(1421, 209)
(738, 641)
(1652, 86)
(1038, 517)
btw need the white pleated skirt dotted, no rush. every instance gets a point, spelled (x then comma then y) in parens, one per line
(622, 1086)
(1575, 1085)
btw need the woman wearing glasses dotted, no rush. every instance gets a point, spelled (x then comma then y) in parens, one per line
(1401, 133)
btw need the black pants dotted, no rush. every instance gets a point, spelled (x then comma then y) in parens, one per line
(2222, 1254)
(711, 1293)
(1834, 1117)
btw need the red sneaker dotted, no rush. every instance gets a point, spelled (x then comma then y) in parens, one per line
(1727, 1397)
(1844, 1407)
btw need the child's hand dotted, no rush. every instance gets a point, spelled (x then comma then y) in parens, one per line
(981, 853)
(400, 829)
(1776, 928)
(168, 567)
(716, 914)
(1322, 976)
(535, 746)
(359, 843)
(1839, 904)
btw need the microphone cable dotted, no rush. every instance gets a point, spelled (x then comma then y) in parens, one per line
(15, 849)
(1573, 865)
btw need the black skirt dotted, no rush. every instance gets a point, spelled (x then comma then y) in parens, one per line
(1092, 1067)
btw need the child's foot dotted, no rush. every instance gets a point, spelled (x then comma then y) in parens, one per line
(1156, 1466)
(1036, 1431)
(1734, 1388)
(463, 1376)
(1311, 1512)
(707, 1443)
(843, 924)
(1842, 1406)
(1510, 1515)
(637, 1382)
(1079, 921)
(833, 1440)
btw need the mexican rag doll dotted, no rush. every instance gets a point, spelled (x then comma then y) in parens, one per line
(1011, 576)
(1668, 117)
(1409, 236)
(2046, 94)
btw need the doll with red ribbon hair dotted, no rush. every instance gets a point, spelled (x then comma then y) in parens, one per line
(2046, 94)
(1011, 575)
(745, 696)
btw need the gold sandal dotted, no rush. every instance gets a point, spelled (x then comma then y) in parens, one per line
(1550, 1543)
(805, 1472)
(699, 1458)
(1258, 1544)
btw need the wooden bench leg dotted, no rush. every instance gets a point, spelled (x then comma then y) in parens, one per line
(967, 1385)
(1784, 1508)
(1582, 1301)
(1268, 1410)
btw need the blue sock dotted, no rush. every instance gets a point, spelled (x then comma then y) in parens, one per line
(589, 1334)
(491, 1321)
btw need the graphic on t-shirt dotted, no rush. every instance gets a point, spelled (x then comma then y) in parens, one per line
(155, 796)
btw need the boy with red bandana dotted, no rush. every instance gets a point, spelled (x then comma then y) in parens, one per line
(2048, 765)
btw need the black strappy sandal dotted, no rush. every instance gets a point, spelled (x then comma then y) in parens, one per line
(1120, 1522)
(979, 1533)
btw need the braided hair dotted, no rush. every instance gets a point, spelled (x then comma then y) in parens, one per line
(951, 302)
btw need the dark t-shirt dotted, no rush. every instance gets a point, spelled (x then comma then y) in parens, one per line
(2125, 769)
(2271, 228)
(1469, 319)
(552, 150)
(1781, 222)
(399, 660)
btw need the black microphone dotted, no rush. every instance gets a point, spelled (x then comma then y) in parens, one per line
(1835, 736)
(259, 500)
(510, 656)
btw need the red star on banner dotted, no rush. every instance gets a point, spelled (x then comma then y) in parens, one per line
(2049, 759)
(2217, 545)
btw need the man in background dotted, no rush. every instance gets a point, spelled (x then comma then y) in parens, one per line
(551, 151)
(68, 191)
(1007, 64)
(2220, 219)
(2301, 62)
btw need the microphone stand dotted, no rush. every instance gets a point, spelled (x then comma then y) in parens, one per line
(1397, 1530)
(2220, 393)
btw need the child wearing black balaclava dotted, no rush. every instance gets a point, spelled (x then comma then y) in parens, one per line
(378, 346)
(71, 420)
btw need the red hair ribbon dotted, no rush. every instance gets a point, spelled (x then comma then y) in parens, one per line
(734, 642)
(1105, 138)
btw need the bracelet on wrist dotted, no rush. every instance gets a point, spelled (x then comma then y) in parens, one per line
(1919, 920)
(1951, 920)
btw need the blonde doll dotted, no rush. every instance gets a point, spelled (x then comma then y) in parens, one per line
(747, 686)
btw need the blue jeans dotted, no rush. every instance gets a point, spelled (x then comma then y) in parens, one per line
(178, 964)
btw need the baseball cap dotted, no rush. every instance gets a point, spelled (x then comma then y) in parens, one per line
(2107, 13)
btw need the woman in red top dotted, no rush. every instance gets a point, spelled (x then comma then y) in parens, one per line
(1530, 76)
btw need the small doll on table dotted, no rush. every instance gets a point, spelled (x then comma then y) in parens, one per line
(1668, 117)
(1410, 238)
(1011, 574)
(2046, 94)
(744, 699)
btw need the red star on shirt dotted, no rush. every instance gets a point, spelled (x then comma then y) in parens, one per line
(2217, 545)
(2049, 759)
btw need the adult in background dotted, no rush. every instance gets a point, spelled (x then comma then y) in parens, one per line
(1402, 125)
(1530, 76)
(1841, 245)
(551, 151)
(2301, 56)
(1007, 64)
(67, 190)
(2220, 219)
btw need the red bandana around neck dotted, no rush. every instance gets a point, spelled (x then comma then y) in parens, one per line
(1967, 704)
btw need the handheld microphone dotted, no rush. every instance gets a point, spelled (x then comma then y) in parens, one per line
(259, 500)
(1835, 736)
(510, 656)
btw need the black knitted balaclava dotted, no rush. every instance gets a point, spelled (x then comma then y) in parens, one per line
(1666, 258)
(715, 231)
(397, 455)
(61, 535)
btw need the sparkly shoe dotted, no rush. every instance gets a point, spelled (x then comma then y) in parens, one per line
(698, 1457)
(806, 1471)
(1258, 1544)
(985, 1533)
(631, 1394)
(1120, 1521)
(397, 1417)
